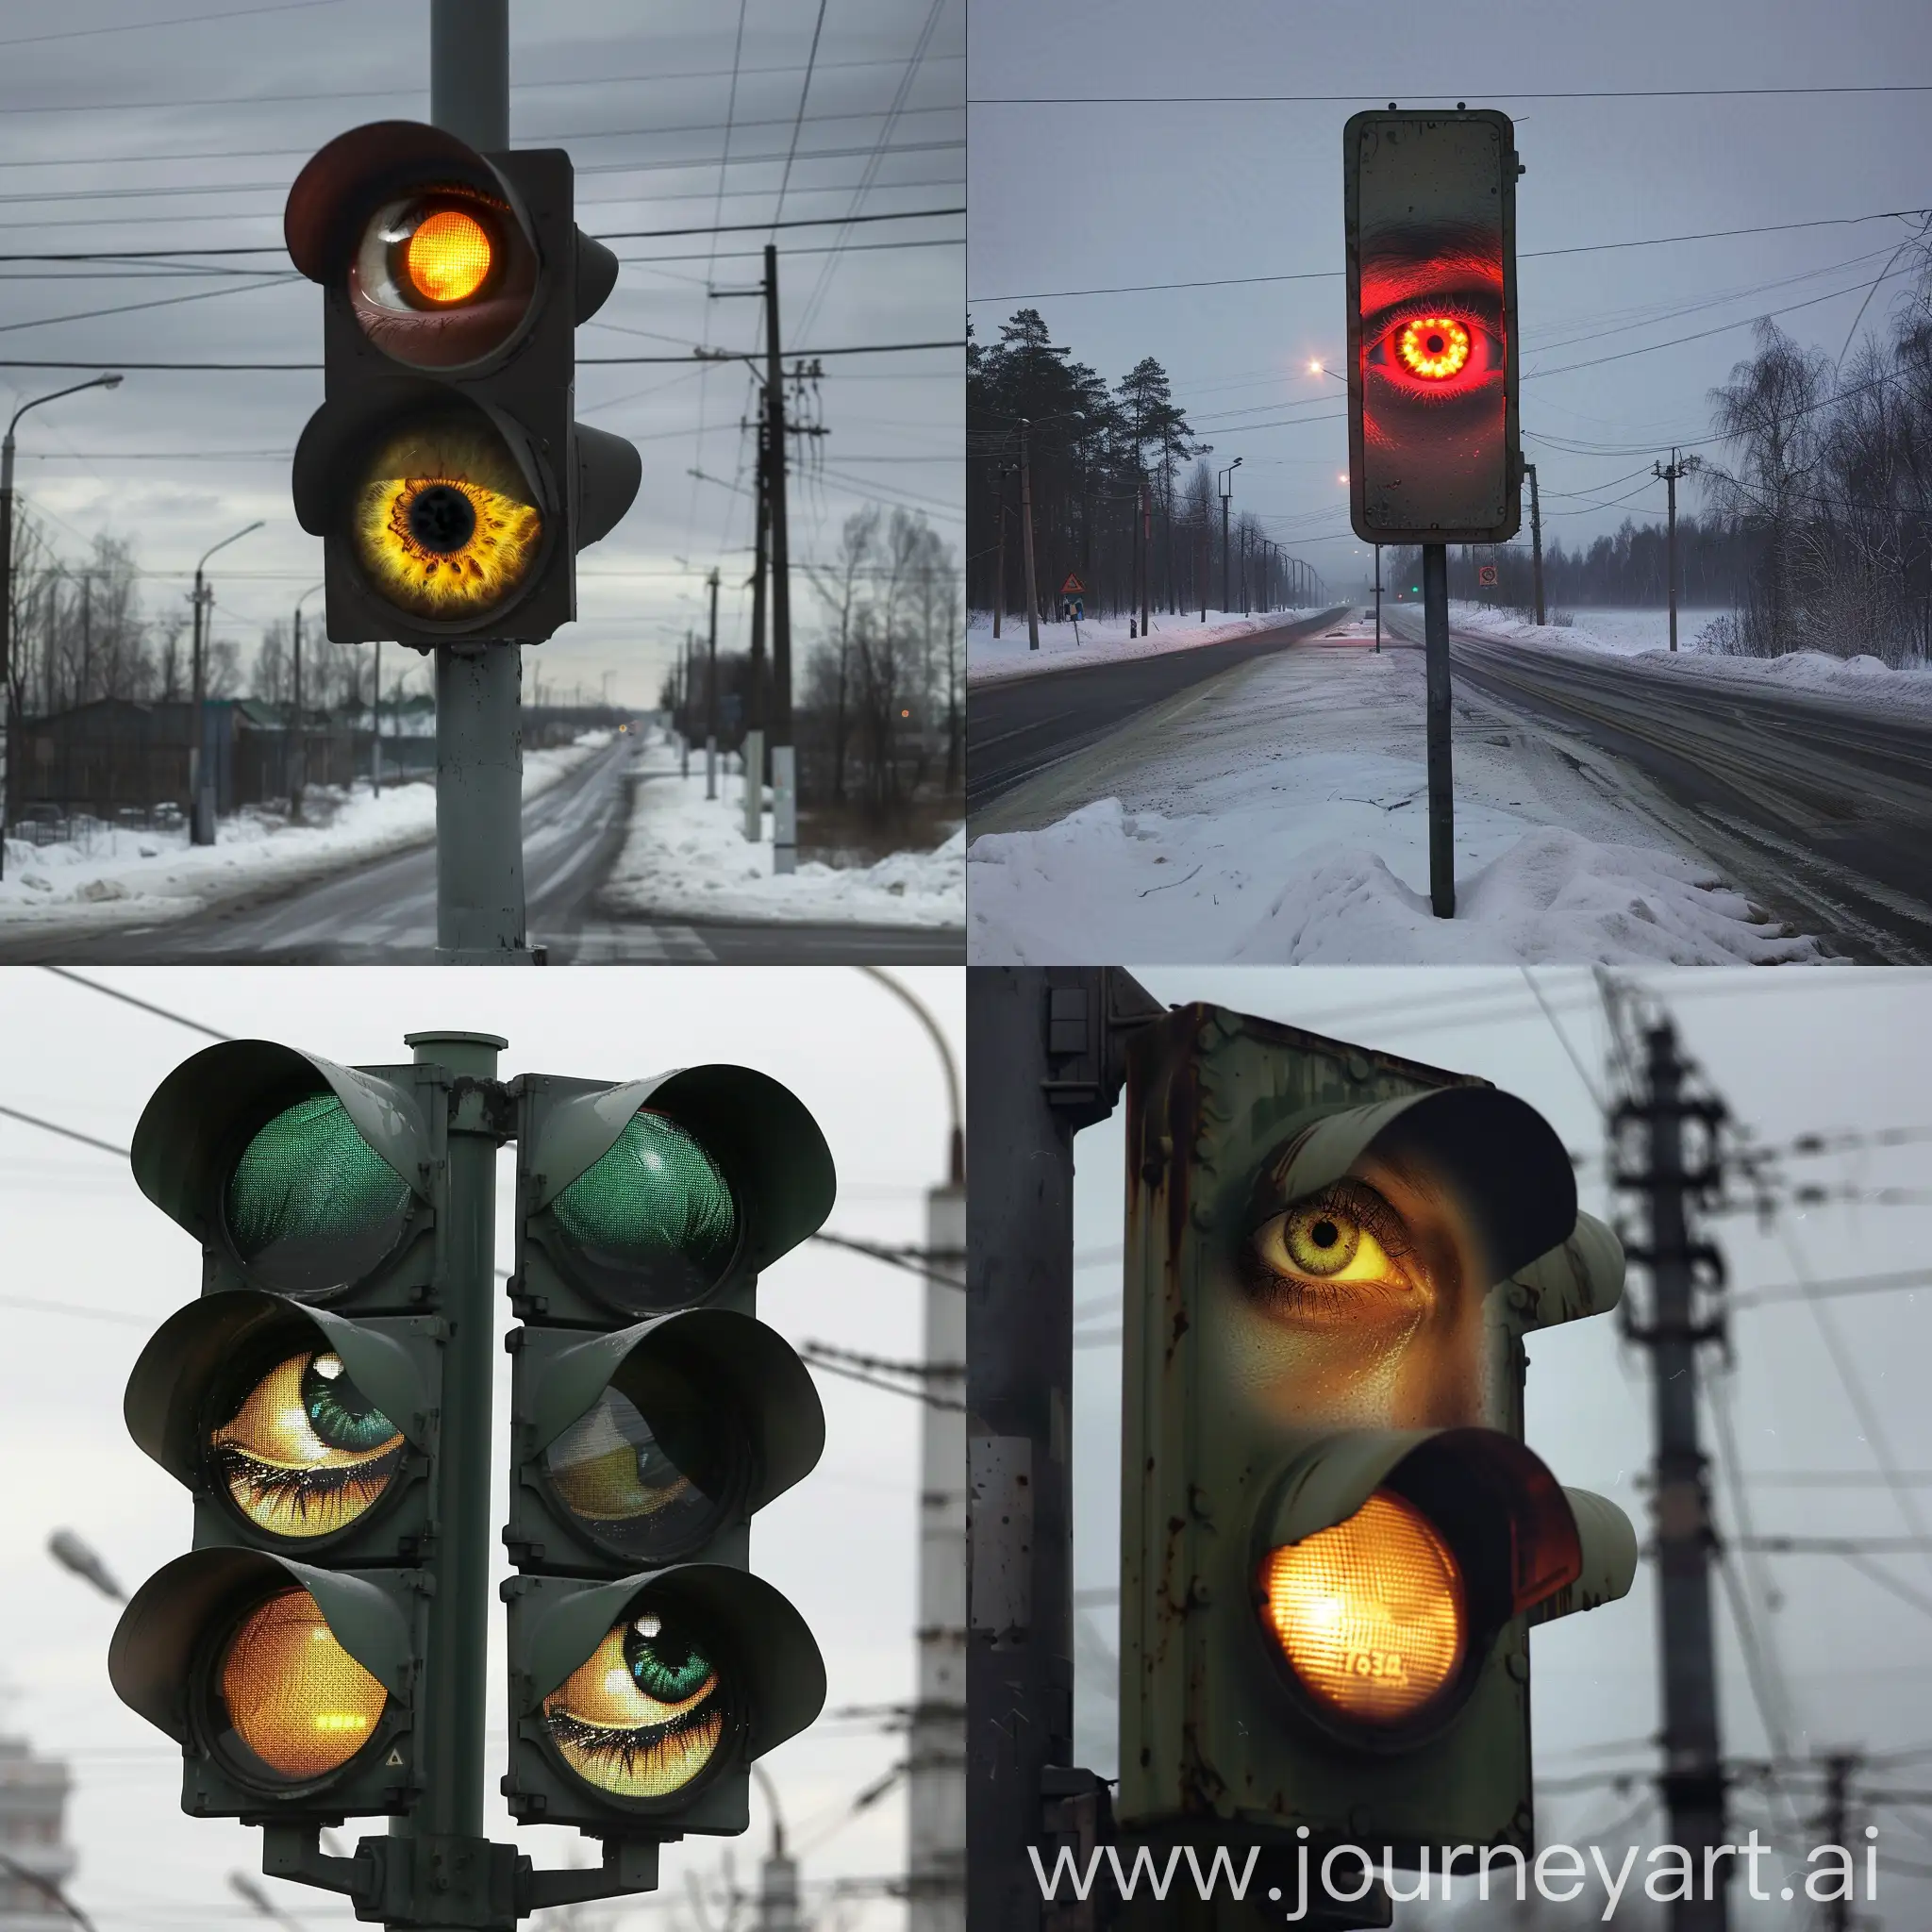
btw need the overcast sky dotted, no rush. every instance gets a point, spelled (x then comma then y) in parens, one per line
(124, 126)
(75, 1229)
(1088, 194)
(1833, 1052)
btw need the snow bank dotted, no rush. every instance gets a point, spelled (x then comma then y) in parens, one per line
(989, 658)
(687, 858)
(121, 877)
(1643, 636)
(1108, 884)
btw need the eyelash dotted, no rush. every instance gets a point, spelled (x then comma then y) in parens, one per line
(1296, 1294)
(651, 1742)
(319, 1485)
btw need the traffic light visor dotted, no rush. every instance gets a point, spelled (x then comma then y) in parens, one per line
(1370, 1615)
(291, 1704)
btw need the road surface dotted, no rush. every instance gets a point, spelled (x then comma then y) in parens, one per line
(1017, 726)
(383, 911)
(1819, 809)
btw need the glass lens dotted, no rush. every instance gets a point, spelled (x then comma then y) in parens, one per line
(305, 1452)
(648, 1470)
(1368, 1614)
(298, 1703)
(643, 1715)
(657, 1209)
(311, 1207)
(443, 278)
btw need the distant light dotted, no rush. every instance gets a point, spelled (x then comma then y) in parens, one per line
(1344, 477)
(1314, 368)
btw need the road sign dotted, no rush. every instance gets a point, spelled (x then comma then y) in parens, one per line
(1076, 610)
(1486, 574)
(1334, 1538)
(1073, 587)
(1429, 201)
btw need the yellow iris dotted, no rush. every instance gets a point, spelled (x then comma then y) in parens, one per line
(616, 1735)
(449, 256)
(1436, 346)
(295, 1697)
(443, 525)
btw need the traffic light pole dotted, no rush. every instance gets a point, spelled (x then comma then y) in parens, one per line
(1441, 782)
(1043, 1054)
(711, 699)
(1536, 538)
(479, 757)
(1693, 1781)
(784, 754)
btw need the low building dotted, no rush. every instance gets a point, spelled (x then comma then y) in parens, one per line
(33, 1801)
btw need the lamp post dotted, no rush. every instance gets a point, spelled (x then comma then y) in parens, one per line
(6, 709)
(298, 774)
(1226, 495)
(200, 778)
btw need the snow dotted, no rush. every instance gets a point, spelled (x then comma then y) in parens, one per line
(1643, 636)
(1282, 817)
(686, 856)
(989, 658)
(120, 877)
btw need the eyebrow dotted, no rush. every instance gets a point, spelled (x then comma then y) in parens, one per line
(1452, 253)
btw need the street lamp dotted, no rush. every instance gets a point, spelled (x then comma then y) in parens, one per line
(200, 779)
(1227, 493)
(7, 583)
(298, 773)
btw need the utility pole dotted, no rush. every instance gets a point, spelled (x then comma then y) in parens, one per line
(479, 761)
(1378, 600)
(1146, 548)
(1840, 1767)
(1043, 1049)
(683, 709)
(1693, 1781)
(1026, 538)
(999, 518)
(1441, 783)
(375, 727)
(1536, 540)
(755, 736)
(1670, 471)
(1227, 554)
(784, 755)
(1201, 574)
(712, 698)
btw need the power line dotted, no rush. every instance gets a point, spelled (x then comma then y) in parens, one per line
(1631, 94)
(128, 27)
(583, 362)
(114, 992)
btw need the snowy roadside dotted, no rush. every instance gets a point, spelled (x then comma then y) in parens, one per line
(122, 878)
(990, 659)
(1642, 637)
(1288, 823)
(686, 856)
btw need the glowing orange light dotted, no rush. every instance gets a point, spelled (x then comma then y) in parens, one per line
(1368, 1614)
(449, 256)
(1437, 346)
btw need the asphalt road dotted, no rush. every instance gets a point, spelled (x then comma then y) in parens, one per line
(1017, 726)
(384, 912)
(1822, 810)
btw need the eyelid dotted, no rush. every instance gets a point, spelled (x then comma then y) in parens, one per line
(1485, 306)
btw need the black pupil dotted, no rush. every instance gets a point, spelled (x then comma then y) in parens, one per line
(1435, 345)
(1326, 1234)
(441, 518)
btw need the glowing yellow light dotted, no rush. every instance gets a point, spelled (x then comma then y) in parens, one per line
(295, 1697)
(1436, 347)
(449, 256)
(1314, 369)
(443, 525)
(1368, 1614)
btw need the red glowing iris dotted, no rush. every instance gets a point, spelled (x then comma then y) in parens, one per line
(1434, 347)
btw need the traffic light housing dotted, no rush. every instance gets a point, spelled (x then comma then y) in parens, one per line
(1333, 1537)
(1434, 446)
(298, 1401)
(652, 1413)
(444, 472)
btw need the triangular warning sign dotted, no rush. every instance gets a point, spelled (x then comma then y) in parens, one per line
(1073, 587)
(395, 1758)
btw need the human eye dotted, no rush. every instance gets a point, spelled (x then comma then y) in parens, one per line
(1339, 1253)
(1435, 350)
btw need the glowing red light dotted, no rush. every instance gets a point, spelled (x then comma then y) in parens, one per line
(1434, 346)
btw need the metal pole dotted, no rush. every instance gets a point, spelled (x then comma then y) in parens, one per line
(376, 727)
(200, 830)
(450, 1713)
(1226, 496)
(1442, 786)
(1839, 1766)
(999, 572)
(1694, 1780)
(1378, 599)
(1536, 539)
(1670, 547)
(1027, 539)
(479, 763)
(711, 699)
(784, 754)
(297, 774)
(8, 719)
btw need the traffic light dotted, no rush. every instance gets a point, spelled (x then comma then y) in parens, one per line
(1333, 1537)
(1434, 451)
(652, 1413)
(298, 1402)
(445, 471)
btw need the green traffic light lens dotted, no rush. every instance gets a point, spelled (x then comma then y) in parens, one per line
(656, 1214)
(310, 1206)
(644, 1715)
(649, 1472)
(304, 1453)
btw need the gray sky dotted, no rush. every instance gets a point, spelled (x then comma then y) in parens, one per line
(1834, 1051)
(116, 118)
(75, 1229)
(1092, 195)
